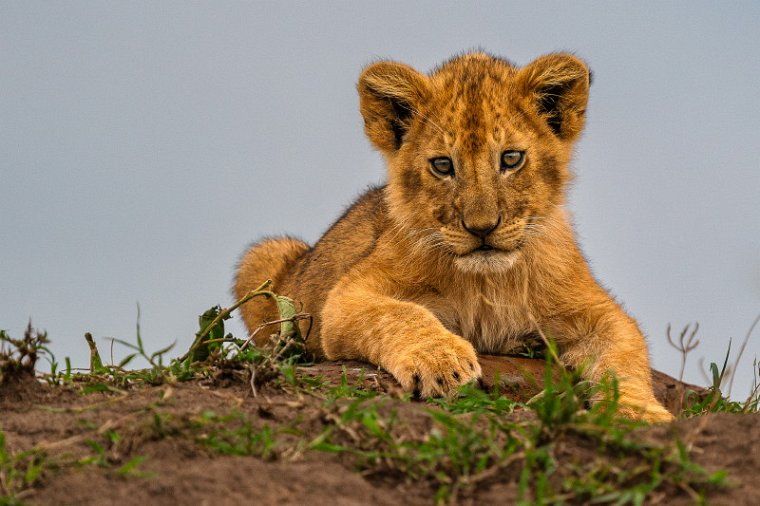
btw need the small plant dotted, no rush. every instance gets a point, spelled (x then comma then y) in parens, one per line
(19, 357)
(211, 346)
(686, 343)
(157, 371)
(472, 399)
(716, 399)
(131, 468)
(235, 435)
(347, 390)
(211, 353)
(19, 471)
(211, 336)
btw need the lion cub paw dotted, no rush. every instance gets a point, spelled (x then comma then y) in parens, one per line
(652, 412)
(435, 366)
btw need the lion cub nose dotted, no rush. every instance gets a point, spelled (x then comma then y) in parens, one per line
(480, 230)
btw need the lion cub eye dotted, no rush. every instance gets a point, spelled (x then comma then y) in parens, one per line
(442, 166)
(512, 159)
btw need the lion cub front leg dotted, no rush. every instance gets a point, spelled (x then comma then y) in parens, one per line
(402, 337)
(612, 343)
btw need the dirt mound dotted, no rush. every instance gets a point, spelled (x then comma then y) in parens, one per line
(20, 388)
(198, 443)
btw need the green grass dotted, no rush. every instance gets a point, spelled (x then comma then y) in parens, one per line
(472, 399)
(472, 439)
(720, 377)
(19, 471)
(716, 401)
(234, 434)
(452, 444)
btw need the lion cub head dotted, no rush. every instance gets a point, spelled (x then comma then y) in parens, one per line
(477, 151)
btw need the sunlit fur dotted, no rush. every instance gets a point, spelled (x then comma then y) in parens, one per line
(404, 279)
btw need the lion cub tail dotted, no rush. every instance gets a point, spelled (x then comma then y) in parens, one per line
(268, 259)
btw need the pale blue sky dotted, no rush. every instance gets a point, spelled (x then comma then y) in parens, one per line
(144, 144)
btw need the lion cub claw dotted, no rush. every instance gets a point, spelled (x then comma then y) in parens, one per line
(436, 367)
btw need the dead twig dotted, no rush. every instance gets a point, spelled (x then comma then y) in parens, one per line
(262, 290)
(741, 352)
(294, 318)
(684, 344)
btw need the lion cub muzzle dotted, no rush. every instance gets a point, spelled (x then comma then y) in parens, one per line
(480, 230)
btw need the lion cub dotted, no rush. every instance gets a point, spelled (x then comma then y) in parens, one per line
(468, 247)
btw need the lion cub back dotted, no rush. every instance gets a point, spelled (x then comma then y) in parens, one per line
(307, 274)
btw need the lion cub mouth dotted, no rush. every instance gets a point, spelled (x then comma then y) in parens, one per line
(490, 249)
(498, 244)
(486, 259)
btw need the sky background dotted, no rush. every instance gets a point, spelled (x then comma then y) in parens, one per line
(143, 145)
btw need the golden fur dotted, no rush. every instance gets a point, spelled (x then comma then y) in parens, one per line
(421, 274)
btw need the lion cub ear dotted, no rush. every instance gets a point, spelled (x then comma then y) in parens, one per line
(390, 94)
(558, 85)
